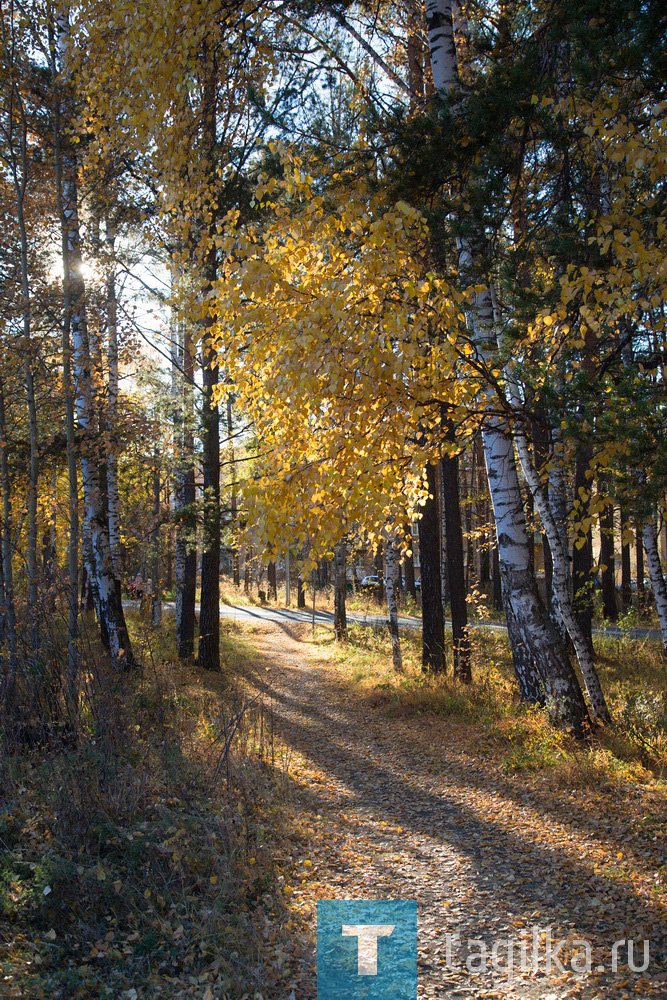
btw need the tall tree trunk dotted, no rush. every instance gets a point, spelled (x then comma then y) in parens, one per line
(236, 567)
(639, 552)
(548, 573)
(409, 564)
(467, 496)
(564, 695)
(608, 564)
(559, 553)
(544, 650)
(379, 570)
(18, 163)
(582, 555)
(340, 591)
(442, 534)
(390, 558)
(626, 565)
(433, 629)
(209, 620)
(482, 518)
(156, 600)
(185, 495)
(650, 535)
(9, 608)
(415, 54)
(273, 582)
(247, 569)
(50, 543)
(455, 568)
(300, 593)
(113, 494)
(110, 608)
(532, 688)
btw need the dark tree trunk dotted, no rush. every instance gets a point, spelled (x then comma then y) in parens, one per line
(187, 623)
(456, 568)
(626, 568)
(168, 571)
(209, 619)
(497, 580)
(273, 582)
(466, 493)
(433, 631)
(186, 638)
(530, 532)
(409, 565)
(582, 558)
(482, 508)
(608, 564)
(234, 503)
(547, 558)
(641, 589)
(247, 570)
(340, 592)
(300, 593)
(379, 569)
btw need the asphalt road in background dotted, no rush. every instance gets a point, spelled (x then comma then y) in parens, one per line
(250, 613)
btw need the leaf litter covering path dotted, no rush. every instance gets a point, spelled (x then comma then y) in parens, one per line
(406, 809)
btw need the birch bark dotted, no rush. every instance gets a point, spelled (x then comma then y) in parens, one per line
(110, 609)
(71, 686)
(650, 535)
(564, 697)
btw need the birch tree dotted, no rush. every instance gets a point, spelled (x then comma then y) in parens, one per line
(546, 652)
(109, 606)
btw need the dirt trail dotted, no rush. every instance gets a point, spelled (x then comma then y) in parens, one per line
(406, 809)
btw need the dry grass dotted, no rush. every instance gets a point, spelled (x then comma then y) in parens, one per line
(143, 857)
(633, 675)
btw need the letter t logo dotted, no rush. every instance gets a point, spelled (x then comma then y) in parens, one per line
(368, 935)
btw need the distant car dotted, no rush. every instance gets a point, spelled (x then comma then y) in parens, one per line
(418, 584)
(370, 581)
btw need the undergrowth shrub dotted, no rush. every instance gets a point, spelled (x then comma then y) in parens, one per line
(139, 855)
(644, 719)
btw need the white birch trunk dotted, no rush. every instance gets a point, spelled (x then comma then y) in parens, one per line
(541, 639)
(439, 26)
(72, 694)
(559, 555)
(390, 585)
(650, 536)
(110, 611)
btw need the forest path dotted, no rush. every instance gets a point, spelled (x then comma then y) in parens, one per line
(396, 808)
